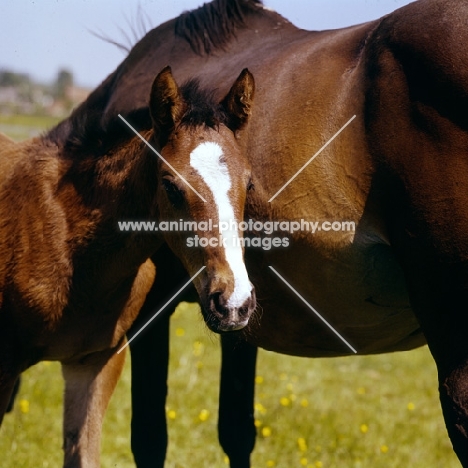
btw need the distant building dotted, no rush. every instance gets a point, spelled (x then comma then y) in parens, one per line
(19, 94)
(76, 94)
(8, 95)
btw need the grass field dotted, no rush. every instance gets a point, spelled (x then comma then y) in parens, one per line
(356, 412)
(20, 127)
(359, 412)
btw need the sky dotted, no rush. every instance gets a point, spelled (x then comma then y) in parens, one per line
(40, 37)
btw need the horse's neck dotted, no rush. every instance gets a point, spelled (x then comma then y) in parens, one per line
(52, 214)
(162, 46)
(124, 190)
(33, 229)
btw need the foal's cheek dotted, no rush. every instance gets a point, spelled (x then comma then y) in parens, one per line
(163, 204)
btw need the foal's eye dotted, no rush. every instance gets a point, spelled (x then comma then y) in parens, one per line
(174, 193)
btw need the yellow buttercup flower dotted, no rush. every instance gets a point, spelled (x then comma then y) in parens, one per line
(285, 401)
(260, 408)
(302, 444)
(198, 348)
(24, 406)
(204, 415)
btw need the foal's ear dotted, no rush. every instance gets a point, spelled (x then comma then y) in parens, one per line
(166, 104)
(238, 102)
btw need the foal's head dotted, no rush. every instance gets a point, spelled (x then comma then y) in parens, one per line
(203, 181)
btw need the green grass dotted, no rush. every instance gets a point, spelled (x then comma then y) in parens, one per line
(366, 412)
(20, 127)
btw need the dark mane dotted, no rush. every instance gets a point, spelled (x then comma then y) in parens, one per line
(202, 107)
(90, 138)
(212, 25)
(138, 26)
(83, 134)
(87, 114)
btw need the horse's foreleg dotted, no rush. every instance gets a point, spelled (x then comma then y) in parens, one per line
(236, 400)
(89, 384)
(8, 389)
(13, 395)
(150, 360)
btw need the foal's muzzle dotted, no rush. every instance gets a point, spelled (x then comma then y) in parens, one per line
(221, 318)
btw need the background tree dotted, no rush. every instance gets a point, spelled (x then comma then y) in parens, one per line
(64, 81)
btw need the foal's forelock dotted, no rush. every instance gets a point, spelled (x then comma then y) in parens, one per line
(207, 160)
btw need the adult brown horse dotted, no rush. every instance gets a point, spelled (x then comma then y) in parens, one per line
(398, 172)
(71, 284)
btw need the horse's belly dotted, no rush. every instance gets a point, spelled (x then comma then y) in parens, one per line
(359, 293)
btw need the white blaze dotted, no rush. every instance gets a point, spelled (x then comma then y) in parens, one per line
(206, 160)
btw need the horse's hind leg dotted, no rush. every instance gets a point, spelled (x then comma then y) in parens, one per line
(89, 384)
(454, 400)
(446, 329)
(439, 296)
(236, 400)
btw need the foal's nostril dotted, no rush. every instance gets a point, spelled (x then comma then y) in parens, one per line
(216, 301)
